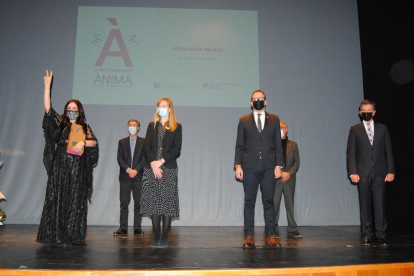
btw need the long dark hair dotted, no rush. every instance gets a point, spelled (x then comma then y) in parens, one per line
(81, 118)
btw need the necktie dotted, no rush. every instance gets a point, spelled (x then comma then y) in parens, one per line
(259, 123)
(370, 133)
(132, 148)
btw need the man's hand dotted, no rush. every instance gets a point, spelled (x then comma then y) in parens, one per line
(239, 173)
(355, 178)
(132, 173)
(278, 172)
(285, 176)
(389, 177)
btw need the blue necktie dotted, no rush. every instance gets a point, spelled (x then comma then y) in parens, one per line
(132, 148)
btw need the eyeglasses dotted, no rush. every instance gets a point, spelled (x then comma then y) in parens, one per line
(257, 99)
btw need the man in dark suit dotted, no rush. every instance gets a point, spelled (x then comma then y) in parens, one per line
(131, 163)
(286, 184)
(258, 160)
(370, 165)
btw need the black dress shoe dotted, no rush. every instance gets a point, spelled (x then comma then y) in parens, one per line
(366, 241)
(383, 241)
(121, 232)
(295, 234)
(138, 232)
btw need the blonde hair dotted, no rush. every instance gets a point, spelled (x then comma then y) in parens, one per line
(171, 124)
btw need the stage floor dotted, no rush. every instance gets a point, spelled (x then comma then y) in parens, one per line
(194, 248)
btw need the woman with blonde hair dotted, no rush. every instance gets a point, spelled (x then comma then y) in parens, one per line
(162, 147)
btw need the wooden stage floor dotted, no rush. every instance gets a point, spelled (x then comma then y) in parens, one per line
(194, 249)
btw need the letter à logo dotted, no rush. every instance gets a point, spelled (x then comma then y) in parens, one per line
(156, 84)
(115, 34)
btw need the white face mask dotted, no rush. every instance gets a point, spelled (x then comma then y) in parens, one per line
(163, 112)
(282, 133)
(132, 130)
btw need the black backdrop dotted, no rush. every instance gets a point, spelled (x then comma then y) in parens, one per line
(387, 46)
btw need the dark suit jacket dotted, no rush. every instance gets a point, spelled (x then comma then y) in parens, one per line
(124, 158)
(171, 146)
(292, 161)
(249, 140)
(362, 158)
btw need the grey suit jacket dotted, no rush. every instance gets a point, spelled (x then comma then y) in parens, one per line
(362, 158)
(292, 161)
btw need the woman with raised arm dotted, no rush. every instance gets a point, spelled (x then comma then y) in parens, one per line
(162, 147)
(69, 185)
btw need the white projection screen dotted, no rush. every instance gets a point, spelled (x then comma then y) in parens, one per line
(119, 57)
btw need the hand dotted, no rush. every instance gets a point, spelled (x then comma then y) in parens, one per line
(79, 146)
(132, 173)
(355, 178)
(285, 176)
(156, 164)
(157, 173)
(278, 172)
(389, 177)
(239, 173)
(48, 79)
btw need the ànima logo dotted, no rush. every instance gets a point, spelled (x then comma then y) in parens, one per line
(123, 47)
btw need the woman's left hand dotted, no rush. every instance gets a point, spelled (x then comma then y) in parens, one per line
(157, 173)
(156, 164)
(79, 146)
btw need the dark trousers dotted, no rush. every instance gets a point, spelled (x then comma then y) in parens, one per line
(126, 187)
(371, 191)
(288, 191)
(264, 176)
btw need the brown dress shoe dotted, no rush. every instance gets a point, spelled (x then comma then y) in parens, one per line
(249, 242)
(272, 242)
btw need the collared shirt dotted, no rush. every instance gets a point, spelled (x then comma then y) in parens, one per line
(371, 124)
(262, 118)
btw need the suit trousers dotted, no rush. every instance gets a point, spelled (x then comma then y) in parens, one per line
(252, 178)
(371, 191)
(126, 187)
(288, 191)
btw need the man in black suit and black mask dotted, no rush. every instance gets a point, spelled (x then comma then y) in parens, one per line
(370, 165)
(131, 164)
(258, 161)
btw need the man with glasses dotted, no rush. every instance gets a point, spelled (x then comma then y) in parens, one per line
(258, 161)
(370, 165)
(287, 183)
(131, 164)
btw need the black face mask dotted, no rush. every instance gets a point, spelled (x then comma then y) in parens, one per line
(366, 116)
(258, 105)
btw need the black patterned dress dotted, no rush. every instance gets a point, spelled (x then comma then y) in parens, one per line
(69, 185)
(160, 196)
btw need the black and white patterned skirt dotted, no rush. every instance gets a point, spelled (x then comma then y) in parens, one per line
(160, 196)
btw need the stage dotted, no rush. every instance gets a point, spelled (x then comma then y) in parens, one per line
(207, 251)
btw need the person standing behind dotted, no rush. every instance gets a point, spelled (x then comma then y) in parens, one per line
(286, 184)
(370, 165)
(131, 163)
(258, 160)
(162, 147)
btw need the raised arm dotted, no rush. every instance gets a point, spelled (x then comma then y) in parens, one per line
(46, 97)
